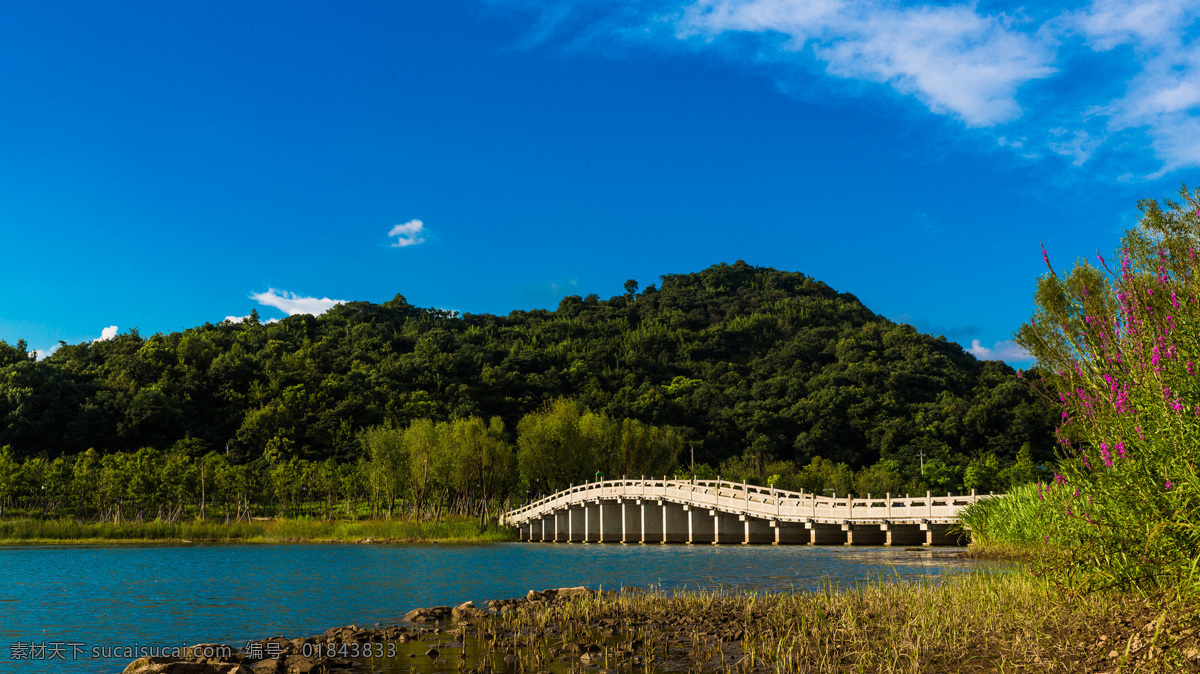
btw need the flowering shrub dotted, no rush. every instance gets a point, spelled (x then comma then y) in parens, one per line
(1119, 343)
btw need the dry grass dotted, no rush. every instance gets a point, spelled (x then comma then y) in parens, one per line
(976, 622)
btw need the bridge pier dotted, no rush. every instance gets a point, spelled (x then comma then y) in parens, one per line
(864, 534)
(591, 522)
(576, 521)
(561, 532)
(825, 534)
(652, 521)
(938, 534)
(903, 534)
(631, 522)
(701, 527)
(756, 530)
(525, 530)
(790, 533)
(611, 522)
(726, 527)
(675, 523)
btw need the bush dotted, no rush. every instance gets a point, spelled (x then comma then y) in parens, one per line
(1122, 351)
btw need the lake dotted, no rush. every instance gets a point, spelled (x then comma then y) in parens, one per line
(82, 601)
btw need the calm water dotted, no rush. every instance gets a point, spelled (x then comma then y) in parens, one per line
(104, 596)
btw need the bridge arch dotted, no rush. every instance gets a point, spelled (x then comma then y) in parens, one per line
(722, 512)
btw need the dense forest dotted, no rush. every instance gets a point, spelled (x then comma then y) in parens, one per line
(750, 368)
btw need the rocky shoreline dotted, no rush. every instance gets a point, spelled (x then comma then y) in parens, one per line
(349, 648)
(991, 621)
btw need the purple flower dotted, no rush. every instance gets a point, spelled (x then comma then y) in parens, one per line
(1169, 484)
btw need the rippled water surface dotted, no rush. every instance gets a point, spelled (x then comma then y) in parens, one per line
(95, 597)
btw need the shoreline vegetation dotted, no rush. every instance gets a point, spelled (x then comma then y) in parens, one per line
(977, 621)
(450, 529)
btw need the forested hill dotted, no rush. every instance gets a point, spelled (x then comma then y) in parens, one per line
(742, 360)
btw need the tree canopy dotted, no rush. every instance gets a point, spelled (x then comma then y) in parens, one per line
(732, 361)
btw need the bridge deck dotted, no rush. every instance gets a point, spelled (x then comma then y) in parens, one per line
(718, 511)
(763, 502)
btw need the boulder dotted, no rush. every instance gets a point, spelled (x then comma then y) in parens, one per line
(146, 666)
(568, 592)
(467, 613)
(428, 615)
(268, 666)
(211, 653)
(298, 664)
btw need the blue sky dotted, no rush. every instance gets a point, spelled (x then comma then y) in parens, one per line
(163, 165)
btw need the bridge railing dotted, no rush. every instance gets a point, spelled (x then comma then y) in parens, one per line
(767, 502)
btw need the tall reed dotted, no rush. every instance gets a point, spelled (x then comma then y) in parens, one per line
(1120, 347)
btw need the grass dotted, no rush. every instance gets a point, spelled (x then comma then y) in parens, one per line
(1008, 527)
(983, 621)
(25, 532)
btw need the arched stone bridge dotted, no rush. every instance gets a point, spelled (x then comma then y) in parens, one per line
(722, 512)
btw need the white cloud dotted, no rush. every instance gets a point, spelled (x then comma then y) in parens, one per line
(106, 334)
(954, 59)
(1163, 98)
(292, 304)
(1079, 146)
(959, 60)
(1005, 350)
(43, 354)
(1111, 23)
(408, 234)
(239, 319)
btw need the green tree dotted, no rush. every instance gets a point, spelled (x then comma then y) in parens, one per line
(552, 451)
(388, 464)
(86, 480)
(9, 469)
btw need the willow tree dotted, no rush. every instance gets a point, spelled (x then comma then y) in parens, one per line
(552, 450)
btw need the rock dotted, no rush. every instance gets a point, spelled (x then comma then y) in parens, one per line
(428, 615)
(268, 666)
(165, 666)
(211, 652)
(568, 592)
(145, 663)
(432, 653)
(467, 613)
(298, 664)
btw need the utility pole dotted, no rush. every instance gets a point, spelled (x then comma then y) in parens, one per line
(921, 453)
(692, 446)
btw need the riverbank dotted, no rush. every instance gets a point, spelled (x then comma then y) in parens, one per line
(986, 621)
(66, 532)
